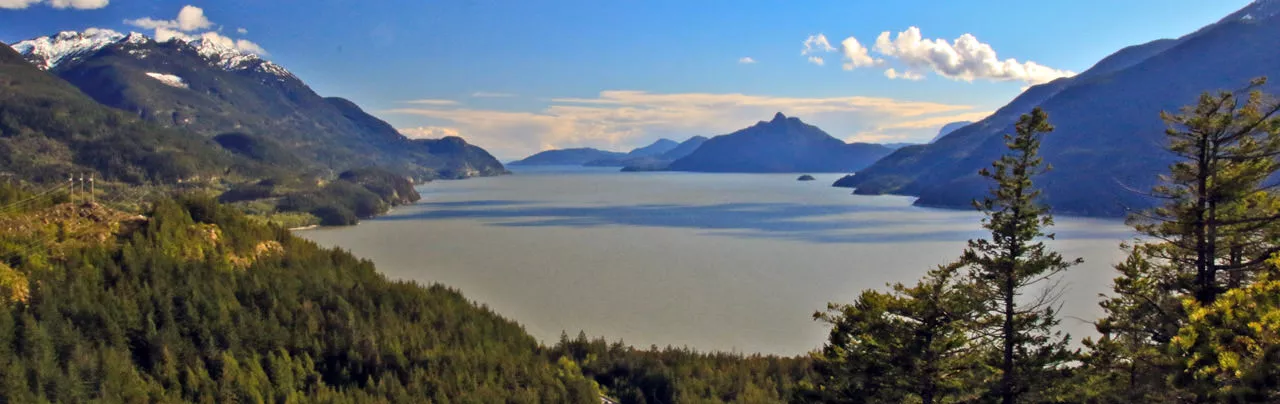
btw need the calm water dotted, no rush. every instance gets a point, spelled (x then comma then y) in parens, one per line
(711, 261)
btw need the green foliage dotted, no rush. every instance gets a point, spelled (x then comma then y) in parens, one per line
(48, 129)
(202, 305)
(911, 345)
(1028, 355)
(673, 375)
(1231, 349)
(1214, 232)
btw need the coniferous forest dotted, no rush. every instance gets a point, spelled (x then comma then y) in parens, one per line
(194, 301)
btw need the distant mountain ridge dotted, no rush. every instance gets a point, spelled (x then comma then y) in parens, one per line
(660, 152)
(637, 155)
(780, 145)
(573, 157)
(205, 87)
(1109, 135)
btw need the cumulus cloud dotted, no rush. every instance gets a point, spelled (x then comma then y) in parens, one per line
(242, 31)
(620, 120)
(856, 55)
(966, 58)
(76, 4)
(746, 60)
(428, 132)
(186, 27)
(814, 45)
(191, 18)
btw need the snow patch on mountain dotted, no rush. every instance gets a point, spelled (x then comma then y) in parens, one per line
(49, 51)
(168, 79)
(222, 52)
(1257, 11)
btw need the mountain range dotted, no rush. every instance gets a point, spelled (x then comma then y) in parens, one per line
(782, 144)
(661, 151)
(1108, 144)
(206, 87)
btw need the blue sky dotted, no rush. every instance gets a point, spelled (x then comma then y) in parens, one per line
(519, 76)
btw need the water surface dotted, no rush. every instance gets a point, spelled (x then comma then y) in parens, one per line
(732, 262)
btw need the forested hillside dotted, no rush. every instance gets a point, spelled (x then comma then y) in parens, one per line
(195, 302)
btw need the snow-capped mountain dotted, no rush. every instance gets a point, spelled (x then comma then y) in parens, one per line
(213, 85)
(49, 52)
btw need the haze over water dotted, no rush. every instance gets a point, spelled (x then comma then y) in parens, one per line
(731, 262)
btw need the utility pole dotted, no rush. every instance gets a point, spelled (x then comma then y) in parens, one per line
(71, 186)
(93, 197)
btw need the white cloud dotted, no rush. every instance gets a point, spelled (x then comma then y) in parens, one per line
(192, 18)
(186, 27)
(966, 59)
(76, 4)
(620, 120)
(428, 132)
(488, 94)
(892, 73)
(164, 34)
(17, 4)
(150, 23)
(242, 31)
(242, 45)
(79, 4)
(746, 60)
(816, 44)
(856, 55)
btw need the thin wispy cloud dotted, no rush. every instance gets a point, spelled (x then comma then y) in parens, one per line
(620, 120)
(430, 101)
(911, 129)
(60, 4)
(428, 132)
(815, 45)
(746, 60)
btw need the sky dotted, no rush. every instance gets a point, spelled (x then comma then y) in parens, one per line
(520, 76)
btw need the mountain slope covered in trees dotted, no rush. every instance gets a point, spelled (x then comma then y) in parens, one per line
(195, 87)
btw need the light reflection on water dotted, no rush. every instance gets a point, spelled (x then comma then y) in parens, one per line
(712, 261)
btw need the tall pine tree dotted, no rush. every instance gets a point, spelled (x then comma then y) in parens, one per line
(1013, 273)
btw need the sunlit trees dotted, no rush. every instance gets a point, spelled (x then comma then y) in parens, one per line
(980, 328)
(1213, 233)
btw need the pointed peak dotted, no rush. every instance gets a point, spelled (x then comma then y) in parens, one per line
(779, 117)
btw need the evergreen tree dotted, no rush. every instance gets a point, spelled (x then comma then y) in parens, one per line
(910, 345)
(1213, 233)
(1014, 262)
